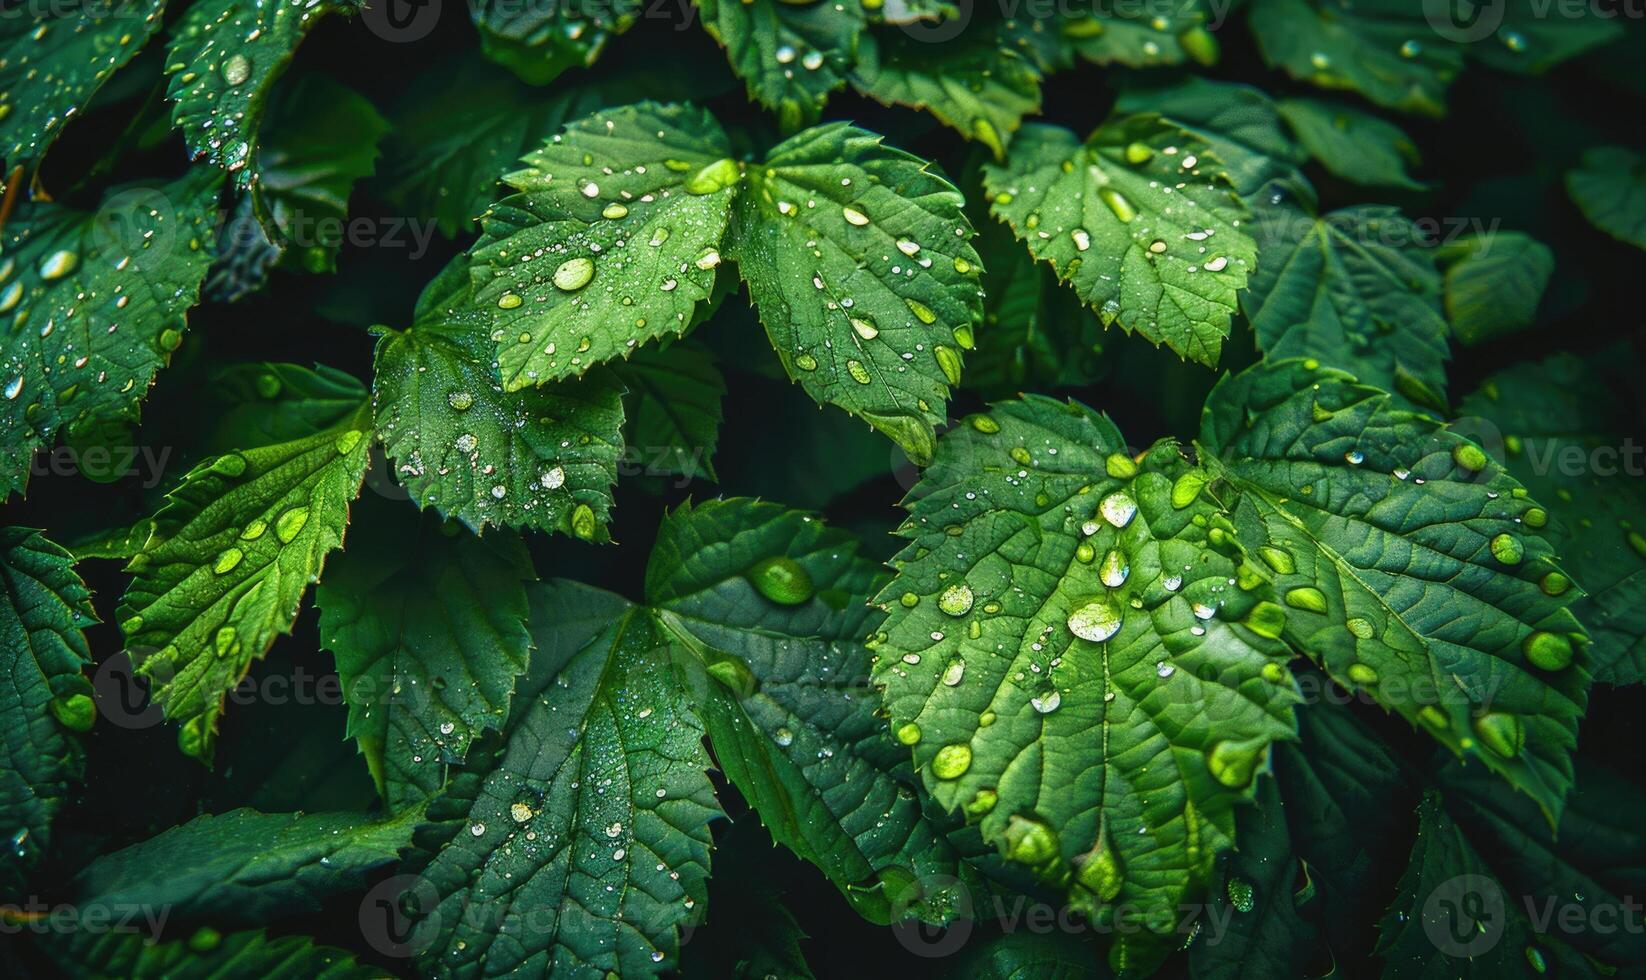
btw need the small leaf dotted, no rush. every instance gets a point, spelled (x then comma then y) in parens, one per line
(672, 409)
(1057, 610)
(791, 55)
(1356, 289)
(1140, 219)
(1555, 429)
(538, 42)
(245, 868)
(1240, 123)
(1609, 187)
(1352, 144)
(428, 624)
(539, 457)
(859, 260)
(1494, 284)
(233, 551)
(1386, 50)
(1144, 36)
(223, 59)
(79, 47)
(580, 846)
(66, 279)
(613, 240)
(44, 610)
(1407, 565)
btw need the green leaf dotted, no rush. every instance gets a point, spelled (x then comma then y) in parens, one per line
(321, 137)
(1355, 145)
(244, 867)
(1408, 565)
(66, 278)
(1143, 35)
(1593, 861)
(1530, 38)
(1561, 437)
(257, 404)
(428, 624)
(1068, 658)
(672, 408)
(1240, 123)
(1263, 886)
(1025, 954)
(859, 260)
(1035, 333)
(776, 605)
(205, 955)
(233, 551)
(78, 47)
(539, 457)
(790, 55)
(44, 609)
(1355, 288)
(1494, 283)
(612, 241)
(976, 84)
(461, 126)
(1387, 50)
(1609, 187)
(580, 846)
(223, 59)
(539, 41)
(1140, 219)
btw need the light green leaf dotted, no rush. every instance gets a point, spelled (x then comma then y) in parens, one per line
(428, 624)
(320, 139)
(1386, 50)
(245, 868)
(1408, 566)
(68, 277)
(234, 549)
(1494, 283)
(1610, 189)
(223, 59)
(612, 241)
(1240, 123)
(776, 605)
(539, 41)
(1562, 436)
(976, 84)
(44, 609)
(1071, 660)
(204, 955)
(1140, 219)
(790, 55)
(539, 457)
(52, 64)
(580, 846)
(1143, 35)
(672, 408)
(1355, 288)
(859, 260)
(1354, 145)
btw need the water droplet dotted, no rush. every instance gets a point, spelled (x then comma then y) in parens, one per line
(1048, 702)
(952, 761)
(1307, 597)
(1096, 620)
(854, 217)
(14, 387)
(1241, 895)
(58, 264)
(909, 734)
(1232, 763)
(865, 327)
(1216, 263)
(805, 362)
(948, 360)
(236, 69)
(288, 525)
(573, 274)
(921, 311)
(1117, 203)
(782, 580)
(783, 737)
(614, 211)
(956, 600)
(460, 400)
(717, 176)
(509, 301)
(1548, 651)
(1114, 570)
(1118, 508)
(520, 812)
(1469, 456)
(1502, 733)
(1507, 549)
(859, 373)
(228, 560)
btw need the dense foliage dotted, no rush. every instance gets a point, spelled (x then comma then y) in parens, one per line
(418, 427)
